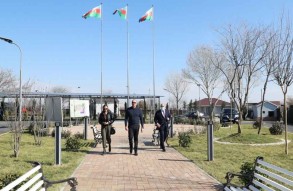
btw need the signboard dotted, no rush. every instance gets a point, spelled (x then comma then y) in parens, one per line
(54, 109)
(79, 108)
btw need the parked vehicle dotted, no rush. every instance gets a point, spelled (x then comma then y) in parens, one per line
(228, 115)
(194, 115)
(190, 115)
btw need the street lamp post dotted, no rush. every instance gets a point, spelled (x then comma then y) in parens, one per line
(20, 78)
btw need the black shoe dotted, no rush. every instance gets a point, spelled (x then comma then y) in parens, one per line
(109, 148)
(130, 151)
(135, 154)
(164, 150)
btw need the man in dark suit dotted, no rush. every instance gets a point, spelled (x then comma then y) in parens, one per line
(162, 116)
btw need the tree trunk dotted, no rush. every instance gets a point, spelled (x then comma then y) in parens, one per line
(261, 118)
(286, 126)
(239, 122)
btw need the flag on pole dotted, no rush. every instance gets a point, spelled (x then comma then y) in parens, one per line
(95, 12)
(122, 12)
(149, 15)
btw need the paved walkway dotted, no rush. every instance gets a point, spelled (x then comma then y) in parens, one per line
(152, 169)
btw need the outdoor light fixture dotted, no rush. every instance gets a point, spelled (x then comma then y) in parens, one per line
(20, 84)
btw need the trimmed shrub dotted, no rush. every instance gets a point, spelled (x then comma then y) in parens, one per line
(31, 128)
(184, 139)
(247, 170)
(78, 135)
(72, 144)
(190, 131)
(276, 128)
(200, 122)
(256, 124)
(64, 134)
(7, 179)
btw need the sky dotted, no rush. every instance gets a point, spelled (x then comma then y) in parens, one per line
(60, 48)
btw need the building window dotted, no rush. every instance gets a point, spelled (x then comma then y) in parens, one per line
(271, 113)
(263, 112)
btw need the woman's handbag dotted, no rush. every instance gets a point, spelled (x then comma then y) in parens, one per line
(112, 131)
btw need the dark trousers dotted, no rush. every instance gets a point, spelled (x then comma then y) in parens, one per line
(133, 132)
(106, 135)
(163, 135)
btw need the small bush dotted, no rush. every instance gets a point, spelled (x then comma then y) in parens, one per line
(72, 144)
(277, 128)
(200, 122)
(7, 179)
(53, 133)
(184, 139)
(178, 120)
(192, 122)
(31, 128)
(247, 170)
(78, 135)
(256, 124)
(64, 134)
(45, 132)
(190, 132)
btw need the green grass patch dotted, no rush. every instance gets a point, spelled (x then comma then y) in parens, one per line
(248, 138)
(231, 157)
(45, 154)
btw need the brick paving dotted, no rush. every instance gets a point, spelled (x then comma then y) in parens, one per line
(152, 169)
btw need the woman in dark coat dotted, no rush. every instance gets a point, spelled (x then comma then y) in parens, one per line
(106, 119)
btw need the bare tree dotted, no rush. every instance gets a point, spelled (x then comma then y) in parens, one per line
(7, 81)
(201, 70)
(283, 74)
(28, 85)
(176, 86)
(243, 50)
(16, 129)
(269, 62)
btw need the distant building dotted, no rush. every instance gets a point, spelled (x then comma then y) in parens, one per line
(270, 111)
(204, 106)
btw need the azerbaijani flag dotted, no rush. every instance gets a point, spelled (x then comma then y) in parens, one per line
(95, 12)
(122, 12)
(149, 15)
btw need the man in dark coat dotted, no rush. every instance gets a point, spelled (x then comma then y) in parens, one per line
(133, 117)
(161, 119)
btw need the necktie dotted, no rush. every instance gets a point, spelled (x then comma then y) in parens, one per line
(163, 113)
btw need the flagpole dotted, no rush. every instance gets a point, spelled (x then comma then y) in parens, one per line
(154, 89)
(101, 57)
(127, 39)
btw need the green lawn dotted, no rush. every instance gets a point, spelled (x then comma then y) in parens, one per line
(43, 154)
(231, 157)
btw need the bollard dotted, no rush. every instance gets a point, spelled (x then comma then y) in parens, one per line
(210, 137)
(57, 143)
(85, 128)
